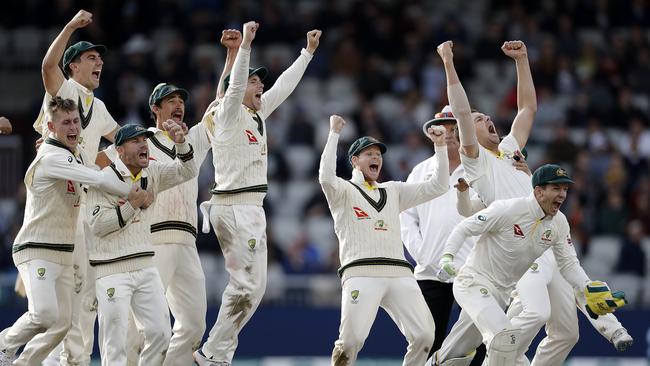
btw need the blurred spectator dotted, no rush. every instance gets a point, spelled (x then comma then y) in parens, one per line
(632, 257)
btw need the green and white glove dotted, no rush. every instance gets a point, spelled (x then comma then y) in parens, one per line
(447, 268)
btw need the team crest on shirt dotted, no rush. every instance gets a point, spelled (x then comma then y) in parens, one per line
(41, 273)
(547, 235)
(355, 296)
(534, 267)
(252, 243)
(380, 225)
(518, 232)
(484, 292)
(110, 292)
(252, 140)
(361, 214)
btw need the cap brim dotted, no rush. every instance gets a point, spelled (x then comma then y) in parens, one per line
(184, 94)
(147, 133)
(560, 180)
(261, 72)
(380, 145)
(436, 122)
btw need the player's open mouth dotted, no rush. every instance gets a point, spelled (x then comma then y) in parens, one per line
(556, 205)
(258, 96)
(96, 74)
(491, 129)
(143, 155)
(374, 168)
(71, 138)
(177, 116)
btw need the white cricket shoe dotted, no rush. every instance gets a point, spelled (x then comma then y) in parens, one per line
(202, 360)
(622, 340)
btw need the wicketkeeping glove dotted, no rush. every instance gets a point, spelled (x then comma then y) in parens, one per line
(601, 300)
(447, 268)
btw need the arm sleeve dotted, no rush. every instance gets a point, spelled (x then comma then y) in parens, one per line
(331, 184)
(108, 122)
(230, 106)
(285, 84)
(413, 194)
(67, 168)
(106, 218)
(485, 220)
(509, 145)
(567, 260)
(198, 137)
(467, 206)
(182, 169)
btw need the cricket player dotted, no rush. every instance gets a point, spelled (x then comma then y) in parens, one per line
(425, 229)
(82, 64)
(43, 248)
(238, 136)
(126, 277)
(5, 126)
(373, 269)
(489, 170)
(513, 235)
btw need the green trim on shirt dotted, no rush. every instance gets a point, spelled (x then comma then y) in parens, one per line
(68, 248)
(375, 262)
(173, 225)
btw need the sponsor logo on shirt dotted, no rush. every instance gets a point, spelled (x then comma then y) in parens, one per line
(547, 235)
(251, 137)
(484, 292)
(361, 214)
(71, 189)
(481, 218)
(380, 225)
(534, 267)
(518, 231)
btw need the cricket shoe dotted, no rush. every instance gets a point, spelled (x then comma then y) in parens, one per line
(622, 340)
(202, 360)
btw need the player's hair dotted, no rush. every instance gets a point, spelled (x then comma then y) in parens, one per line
(58, 104)
(67, 70)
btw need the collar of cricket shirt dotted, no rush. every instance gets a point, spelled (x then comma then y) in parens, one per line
(357, 177)
(121, 168)
(535, 209)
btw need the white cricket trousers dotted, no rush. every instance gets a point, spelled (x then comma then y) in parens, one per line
(182, 277)
(241, 231)
(403, 301)
(544, 297)
(77, 346)
(142, 293)
(49, 288)
(482, 316)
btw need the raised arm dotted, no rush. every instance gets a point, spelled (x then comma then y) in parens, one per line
(53, 77)
(327, 178)
(234, 96)
(183, 168)
(231, 39)
(413, 194)
(287, 82)
(459, 103)
(526, 97)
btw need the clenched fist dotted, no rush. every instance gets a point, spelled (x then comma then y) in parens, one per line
(444, 50)
(515, 49)
(231, 38)
(437, 134)
(313, 40)
(80, 20)
(336, 123)
(250, 29)
(175, 130)
(5, 126)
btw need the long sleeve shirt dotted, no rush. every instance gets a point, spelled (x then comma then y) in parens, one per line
(95, 119)
(513, 234)
(425, 227)
(123, 233)
(53, 182)
(238, 134)
(366, 218)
